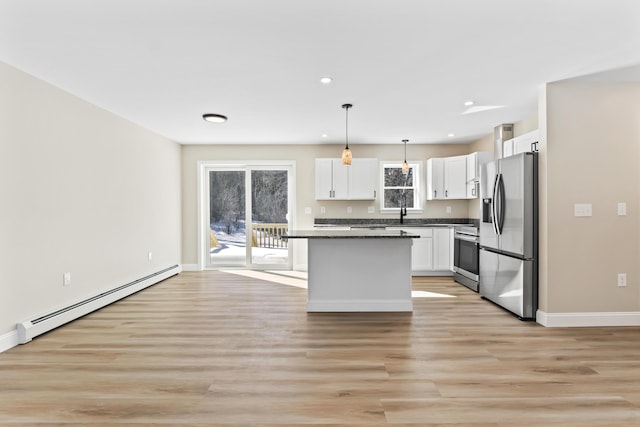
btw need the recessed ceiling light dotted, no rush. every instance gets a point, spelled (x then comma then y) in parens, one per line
(324, 135)
(451, 135)
(469, 103)
(214, 118)
(326, 80)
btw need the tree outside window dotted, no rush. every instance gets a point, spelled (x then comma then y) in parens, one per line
(400, 190)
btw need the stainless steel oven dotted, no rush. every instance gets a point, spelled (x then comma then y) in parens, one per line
(466, 257)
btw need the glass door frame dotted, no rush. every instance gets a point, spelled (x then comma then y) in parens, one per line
(204, 167)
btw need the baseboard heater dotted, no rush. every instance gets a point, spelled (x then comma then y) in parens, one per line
(32, 328)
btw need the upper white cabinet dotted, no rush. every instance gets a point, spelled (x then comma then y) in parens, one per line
(455, 177)
(331, 179)
(334, 181)
(363, 179)
(474, 160)
(435, 178)
(521, 144)
(447, 178)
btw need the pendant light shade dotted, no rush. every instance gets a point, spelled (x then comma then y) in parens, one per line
(346, 153)
(405, 165)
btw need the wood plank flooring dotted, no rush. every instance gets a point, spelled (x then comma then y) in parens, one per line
(216, 348)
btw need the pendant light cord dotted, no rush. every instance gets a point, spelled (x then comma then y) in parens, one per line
(346, 107)
(405, 149)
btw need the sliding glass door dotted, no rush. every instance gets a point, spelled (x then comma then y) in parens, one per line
(248, 212)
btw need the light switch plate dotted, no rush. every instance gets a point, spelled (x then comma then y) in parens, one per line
(349, 210)
(622, 209)
(583, 209)
(307, 211)
(323, 210)
(371, 209)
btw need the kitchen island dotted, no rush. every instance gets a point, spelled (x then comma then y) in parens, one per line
(358, 270)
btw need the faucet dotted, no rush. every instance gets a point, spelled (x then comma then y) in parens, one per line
(403, 205)
(403, 213)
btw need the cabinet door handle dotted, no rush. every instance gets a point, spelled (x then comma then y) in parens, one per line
(446, 193)
(374, 194)
(435, 193)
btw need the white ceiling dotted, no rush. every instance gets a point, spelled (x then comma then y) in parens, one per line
(406, 65)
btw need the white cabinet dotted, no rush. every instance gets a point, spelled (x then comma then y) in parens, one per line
(422, 250)
(334, 181)
(447, 178)
(521, 144)
(435, 178)
(455, 177)
(432, 253)
(363, 179)
(442, 248)
(474, 160)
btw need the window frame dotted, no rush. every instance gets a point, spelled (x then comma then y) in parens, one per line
(418, 196)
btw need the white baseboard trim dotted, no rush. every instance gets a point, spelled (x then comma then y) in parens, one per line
(44, 322)
(191, 267)
(300, 267)
(8, 340)
(426, 273)
(358, 305)
(564, 320)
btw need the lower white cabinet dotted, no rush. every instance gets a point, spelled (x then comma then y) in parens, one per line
(442, 248)
(431, 254)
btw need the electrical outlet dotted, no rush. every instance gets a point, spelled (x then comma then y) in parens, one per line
(323, 210)
(349, 210)
(448, 209)
(66, 279)
(622, 279)
(371, 209)
(307, 211)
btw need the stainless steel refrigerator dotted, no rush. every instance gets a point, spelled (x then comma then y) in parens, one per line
(509, 233)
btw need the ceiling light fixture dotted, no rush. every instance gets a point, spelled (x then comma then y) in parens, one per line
(405, 165)
(469, 103)
(346, 153)
(451, 135)
(214, 118)
(326, 80)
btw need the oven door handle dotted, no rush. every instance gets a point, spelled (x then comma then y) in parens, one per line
(466, 238)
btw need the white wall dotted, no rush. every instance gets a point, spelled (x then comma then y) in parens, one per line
(81, 191)
(590, 153)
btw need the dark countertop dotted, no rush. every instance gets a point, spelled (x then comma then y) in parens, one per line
(394, 222)
(349, 234)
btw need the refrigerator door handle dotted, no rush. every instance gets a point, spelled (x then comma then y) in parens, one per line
(502, 204)
(494, 208)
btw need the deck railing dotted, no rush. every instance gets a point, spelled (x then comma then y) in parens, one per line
(269, 235)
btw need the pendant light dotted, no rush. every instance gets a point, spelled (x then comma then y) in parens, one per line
(405, 165)
(346, 153)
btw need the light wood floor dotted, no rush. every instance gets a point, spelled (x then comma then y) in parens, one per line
(213, 348)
